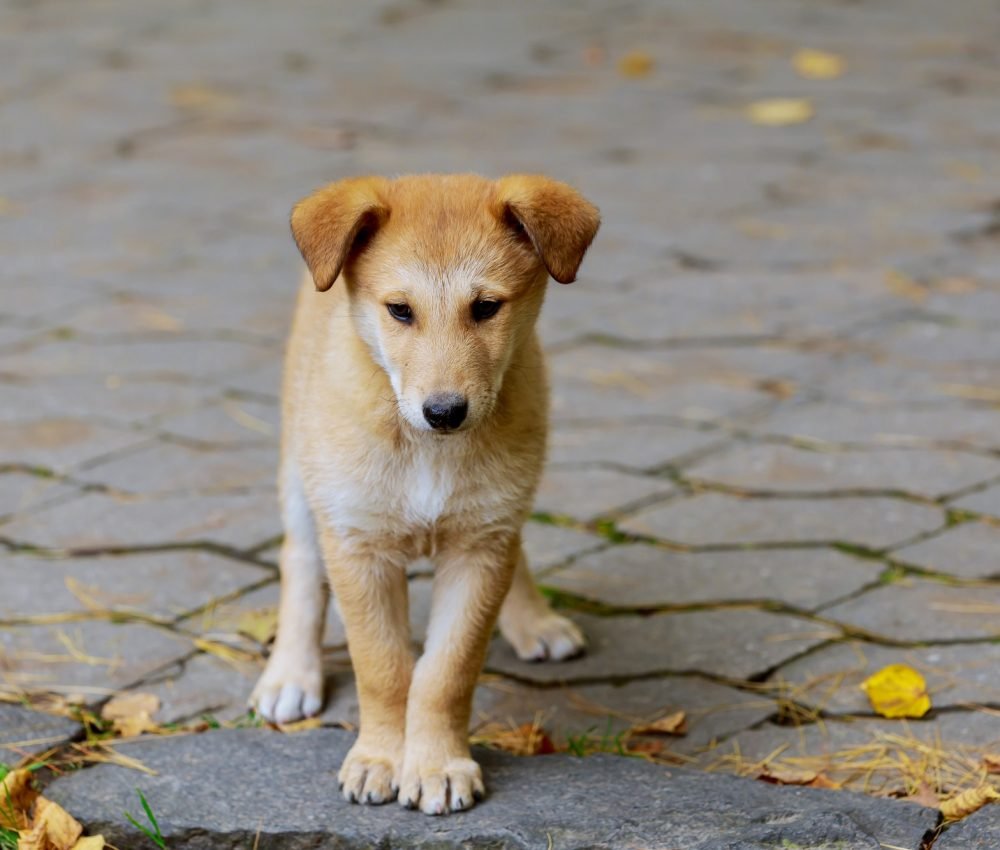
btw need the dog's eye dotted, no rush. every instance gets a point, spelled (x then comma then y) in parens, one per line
(401, 312)
(482, 310)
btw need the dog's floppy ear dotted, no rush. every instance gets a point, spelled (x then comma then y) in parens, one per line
(333, 221)
(558, 220)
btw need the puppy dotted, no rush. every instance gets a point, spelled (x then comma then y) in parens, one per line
(414, 424)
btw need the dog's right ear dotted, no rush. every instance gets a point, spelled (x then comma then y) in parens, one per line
(334, 221)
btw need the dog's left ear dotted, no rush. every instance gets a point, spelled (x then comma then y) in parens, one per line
(335, 221)
(558, 220)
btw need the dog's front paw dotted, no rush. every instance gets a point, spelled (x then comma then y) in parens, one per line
(370, 773)
(439, 787)
(288, 691)
(545, 637)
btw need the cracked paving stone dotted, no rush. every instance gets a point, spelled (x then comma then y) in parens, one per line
(158, 468)
(783, 469)
(589, 494)
(971, 732)
(969, 550)
(958, 676)
(712, 711)
(642, 576)
(838, 423)
(736, 643)
(60, 443)
(548, 546)
(923, 611)
(984, 502)
(634, 444)
(604, 801)
(595, 382)
(227, 422)
(91, 658)
(714, 518)
(21, 492)
(161, 585)
(24, 731)
(101, 520)
(979, 831)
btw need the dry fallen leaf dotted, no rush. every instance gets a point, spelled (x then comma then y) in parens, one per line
(261, 624)
(528, 739)
(991, 761)
(897, 691)
(968, 802)
(90, 842)
(779, 112)
(52, 828)
(817, 64)
(199, 97)
(924, 795)
(674, 723)
(301, 725)
(780, 775)
(131, 714)
(16, 796)
(636, 64)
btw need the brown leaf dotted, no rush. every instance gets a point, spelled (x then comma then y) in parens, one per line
(528, 739)
(674, 723)
(968, 802)
(823, 781)
(781, 775)
(991, 761)
(645, 747)
(16, 796)
(924, 796)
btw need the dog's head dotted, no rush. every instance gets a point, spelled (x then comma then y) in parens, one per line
(446, 275)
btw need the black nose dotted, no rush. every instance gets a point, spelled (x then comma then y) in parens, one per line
(445, 411)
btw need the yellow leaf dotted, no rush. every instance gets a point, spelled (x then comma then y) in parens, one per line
(968, 802)
(259, 624)
(636, 64)
(52, 828)
(674, 723)
(131, 714)
(817, 64)
(301, 725)
(779, 111)
(897, 691)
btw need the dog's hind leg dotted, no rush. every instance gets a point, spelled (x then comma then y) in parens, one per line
(529, 624)
(292, 684)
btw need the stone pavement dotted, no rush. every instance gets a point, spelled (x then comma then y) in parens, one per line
(775, 462)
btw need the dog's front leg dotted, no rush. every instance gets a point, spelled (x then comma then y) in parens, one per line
(470, 582)
(369, 582)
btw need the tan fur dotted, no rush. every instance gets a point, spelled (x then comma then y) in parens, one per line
(367, 486)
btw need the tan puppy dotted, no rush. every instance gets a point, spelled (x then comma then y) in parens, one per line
(414, 424)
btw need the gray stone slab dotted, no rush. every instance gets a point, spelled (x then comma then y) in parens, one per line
(61, 443)
(547, 546)
(838, 423)
(917, 610)
(161, 585)
(687, 641)
(979, 831)
(21, 492)
(970, 550)
(226, 422)
(714, 518)
(712, 711)
(783, 469)
(958, 676)
(599, 804)
(592, 493)
(634, 444)
(160, 468)
(103, 520)
(24, 731)
(89, 658)
(984, 502)
(645, 577)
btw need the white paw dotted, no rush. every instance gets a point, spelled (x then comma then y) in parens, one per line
(288, 692)
(549, 637)
(437, 789)
(370, 774)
